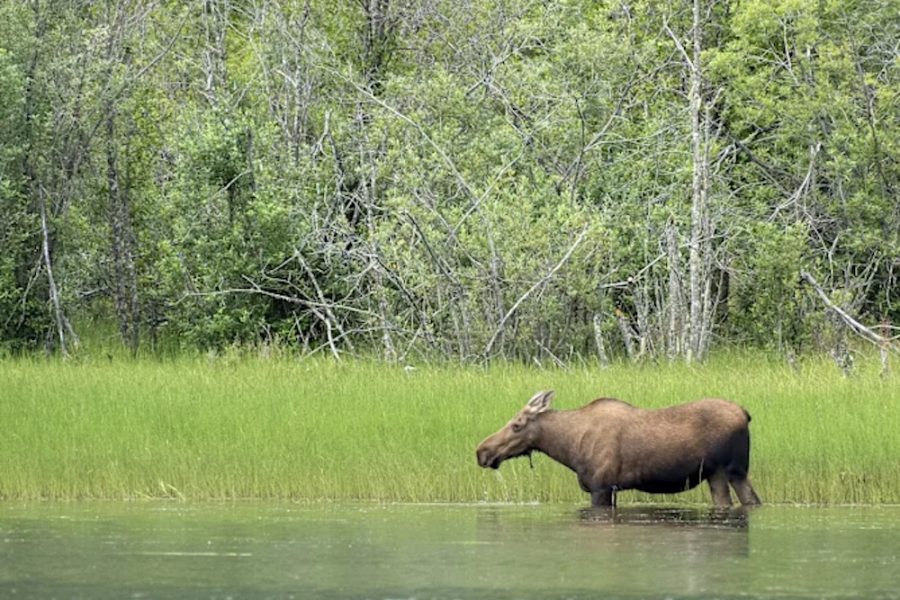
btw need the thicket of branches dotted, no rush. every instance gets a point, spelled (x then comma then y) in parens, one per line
(536, 180)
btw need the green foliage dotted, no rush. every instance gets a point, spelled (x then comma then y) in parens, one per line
(766, 303)
(335, 178)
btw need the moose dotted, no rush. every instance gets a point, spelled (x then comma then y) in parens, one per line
(612, 445)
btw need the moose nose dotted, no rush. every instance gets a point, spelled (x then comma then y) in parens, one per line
(482, 457)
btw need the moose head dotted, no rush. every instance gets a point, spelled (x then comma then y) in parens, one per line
(518, 436)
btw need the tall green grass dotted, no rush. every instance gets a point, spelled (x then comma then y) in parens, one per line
(203, 428)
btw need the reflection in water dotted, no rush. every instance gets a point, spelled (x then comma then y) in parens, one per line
(159, 550)
(696, 536)
(731, 518)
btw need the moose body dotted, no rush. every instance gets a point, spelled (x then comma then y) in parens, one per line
(612, 445)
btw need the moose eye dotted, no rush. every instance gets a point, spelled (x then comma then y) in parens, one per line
(517, 427)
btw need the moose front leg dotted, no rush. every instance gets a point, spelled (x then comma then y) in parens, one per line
(604, 497)
(583, 485)
(600, 496)
(596, 483)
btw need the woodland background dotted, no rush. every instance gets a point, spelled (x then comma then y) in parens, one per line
(416, 179)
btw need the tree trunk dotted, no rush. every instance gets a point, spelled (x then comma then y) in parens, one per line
(699, 184)
(675, 342)
(119, 210)
(627, 334)
(215, 23)
(602, 356)
(58, 316)
(125, 285)
(883, 350)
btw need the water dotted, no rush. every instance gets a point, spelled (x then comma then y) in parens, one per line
(260, 550)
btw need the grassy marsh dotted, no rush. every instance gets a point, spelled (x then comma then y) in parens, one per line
(203, 428)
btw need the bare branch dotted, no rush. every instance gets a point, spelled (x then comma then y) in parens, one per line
(865, 332)
(678, 44)
(490, 345)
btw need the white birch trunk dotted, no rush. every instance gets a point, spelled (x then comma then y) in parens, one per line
(698, 275)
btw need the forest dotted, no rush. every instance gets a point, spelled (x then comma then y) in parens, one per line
(529, 180)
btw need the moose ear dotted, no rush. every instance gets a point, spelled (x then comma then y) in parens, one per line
(539, 402)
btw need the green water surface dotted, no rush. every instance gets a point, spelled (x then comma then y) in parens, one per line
(264, 550)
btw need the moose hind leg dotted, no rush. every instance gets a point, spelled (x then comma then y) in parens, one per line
(745, 492)
(718, 487)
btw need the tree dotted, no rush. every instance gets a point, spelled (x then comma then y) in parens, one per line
(421, 178)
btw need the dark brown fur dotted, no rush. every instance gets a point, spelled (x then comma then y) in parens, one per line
(611, 445)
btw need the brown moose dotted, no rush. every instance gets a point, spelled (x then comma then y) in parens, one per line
(611, 445)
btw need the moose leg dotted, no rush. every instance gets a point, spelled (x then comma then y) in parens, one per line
(718, 487)
(744, 490)
(603, 497)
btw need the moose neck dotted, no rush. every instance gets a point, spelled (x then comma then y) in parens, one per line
(557, 438)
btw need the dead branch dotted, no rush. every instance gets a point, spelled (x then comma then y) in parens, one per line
(500, 326)
(864, 332)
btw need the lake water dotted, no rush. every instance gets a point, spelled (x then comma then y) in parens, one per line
(262, 550)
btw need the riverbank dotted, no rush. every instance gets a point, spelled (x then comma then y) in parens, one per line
(212, 428)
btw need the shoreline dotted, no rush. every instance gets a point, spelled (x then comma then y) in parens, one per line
(318, 430)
